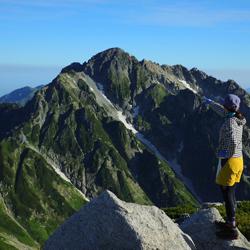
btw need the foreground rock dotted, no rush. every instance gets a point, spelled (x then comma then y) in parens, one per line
(201, 228)
(109, 223)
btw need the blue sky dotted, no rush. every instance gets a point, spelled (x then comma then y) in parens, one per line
(39, 37)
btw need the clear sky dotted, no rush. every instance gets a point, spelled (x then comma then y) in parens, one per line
(39, 37)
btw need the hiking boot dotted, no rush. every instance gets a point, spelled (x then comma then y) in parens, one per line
(224, 225)
(228, 234)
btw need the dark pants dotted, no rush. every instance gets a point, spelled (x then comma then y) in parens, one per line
(228, 194)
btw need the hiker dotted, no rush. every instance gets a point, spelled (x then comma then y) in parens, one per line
(230, 157)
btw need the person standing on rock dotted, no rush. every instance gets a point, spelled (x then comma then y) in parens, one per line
(230, 156)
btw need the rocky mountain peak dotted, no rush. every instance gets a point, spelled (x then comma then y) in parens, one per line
(100, 58)
(76, 66)
(113, 51)
(111, 54)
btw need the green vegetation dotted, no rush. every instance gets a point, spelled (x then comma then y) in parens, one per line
(38, 199)
(67, 129)
(242, 217)
(178, 211)
(141, 78)
(164, 121)
(242, 214)
(156, 95)
(142, 124)
(33, 189)
(11, 232)
(119, 85)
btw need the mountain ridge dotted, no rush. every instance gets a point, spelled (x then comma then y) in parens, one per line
(112, 123)
(20, 96)
(127, 86)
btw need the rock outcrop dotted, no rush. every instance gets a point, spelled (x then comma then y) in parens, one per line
(109, 223)
(201, 228)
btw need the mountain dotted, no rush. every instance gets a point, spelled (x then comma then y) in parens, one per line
(163, 102)
(70, 142)
(20, 96)
(134, 127)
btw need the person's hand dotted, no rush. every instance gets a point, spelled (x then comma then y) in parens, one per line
(205, 100)
(223, 154)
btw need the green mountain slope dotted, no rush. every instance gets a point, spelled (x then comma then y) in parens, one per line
(33, 192)
(69, 141)
(12, 234)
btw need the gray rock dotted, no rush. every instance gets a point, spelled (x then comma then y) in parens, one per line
(211, 204)
(109, 223)
(201, 228)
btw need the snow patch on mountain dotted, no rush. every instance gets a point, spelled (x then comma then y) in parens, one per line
(101, 89)
(173, 164)
(156, 82)
(186, 85)
(151, 146)
(50, 162)
(57, 169)
(123, 119)
(118, 115)
(60, 173)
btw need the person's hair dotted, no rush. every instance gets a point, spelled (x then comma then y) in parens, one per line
(239, 115)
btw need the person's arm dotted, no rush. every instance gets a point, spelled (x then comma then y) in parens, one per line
(218, 108)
